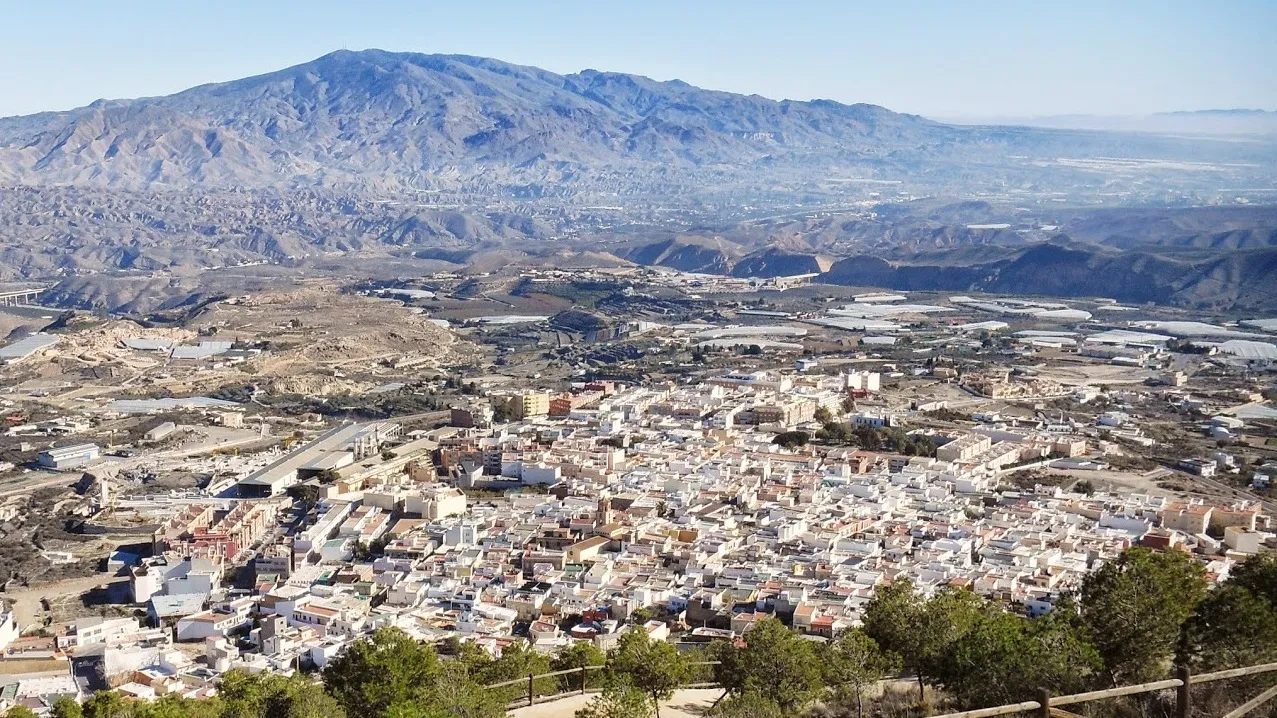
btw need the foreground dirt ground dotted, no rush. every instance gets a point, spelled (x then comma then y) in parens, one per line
(685, 704)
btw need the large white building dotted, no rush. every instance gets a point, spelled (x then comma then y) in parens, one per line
(68, 457)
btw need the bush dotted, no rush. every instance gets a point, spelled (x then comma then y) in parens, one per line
(791, 439)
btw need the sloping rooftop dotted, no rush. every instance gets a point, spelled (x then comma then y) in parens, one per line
(24, 348)
(182, 604)
(151, 406)
(203, 350)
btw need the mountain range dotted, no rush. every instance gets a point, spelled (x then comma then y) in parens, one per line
(450, 160)
(378, 119)
(401, 121)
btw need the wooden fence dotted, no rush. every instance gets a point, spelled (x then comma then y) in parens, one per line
(1048, 706)
(581, 683)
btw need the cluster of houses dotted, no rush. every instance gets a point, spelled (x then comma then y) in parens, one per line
(664, 510)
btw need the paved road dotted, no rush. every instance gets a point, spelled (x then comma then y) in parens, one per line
(26, 483)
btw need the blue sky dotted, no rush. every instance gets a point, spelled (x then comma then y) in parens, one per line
(942, 59)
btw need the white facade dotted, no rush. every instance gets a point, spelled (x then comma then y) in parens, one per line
(9, 629)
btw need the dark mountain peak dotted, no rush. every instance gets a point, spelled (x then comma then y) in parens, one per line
(1060, 250)
(402, 60)
(1066, 243)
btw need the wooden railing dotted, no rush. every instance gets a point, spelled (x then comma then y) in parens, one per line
(582, 684)
(1047, 705)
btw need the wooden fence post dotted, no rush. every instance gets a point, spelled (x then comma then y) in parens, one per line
(1183, 698)
(1044, 700)
(582, 680)
(531, 694)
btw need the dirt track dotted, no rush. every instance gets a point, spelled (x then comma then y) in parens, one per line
(26, 601)
(685, 704)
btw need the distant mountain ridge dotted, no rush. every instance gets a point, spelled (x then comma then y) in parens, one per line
(412, 122)
(1229, 122)
(349, 114)
(1227, 280)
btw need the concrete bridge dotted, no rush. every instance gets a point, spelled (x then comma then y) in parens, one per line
(20, 297)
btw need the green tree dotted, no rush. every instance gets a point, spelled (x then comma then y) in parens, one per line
(20, 711)
(471, 656)
(750, 704)
(305, 698)
(455, 694)
(1234, 626)
(892, 618)
(104, 704)
(1257, 574)
(643, 614)
(1231, 628)
(517, 660)
(853, 662)
(110, 703)
(385, 669)
(791, 439)
(1064, 657)
(574, 657)
(980, 659)
(920, 631)
(619, 700)
(945, 618)
(269, 695)
(835, 433)
(361, 552)
(175, 706)
(823, 415)
(654, 667)
(774, 661)
(307, 495)
(213, 707)
(67, 707)
(1134, 608)
(1005, 658)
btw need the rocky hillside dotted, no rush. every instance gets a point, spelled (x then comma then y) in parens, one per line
(51, 232)
(779, 262)
(373, 118)
(1243, 279)
(704, 255)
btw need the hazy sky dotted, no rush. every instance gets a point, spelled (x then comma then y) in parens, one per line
(946, 58)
